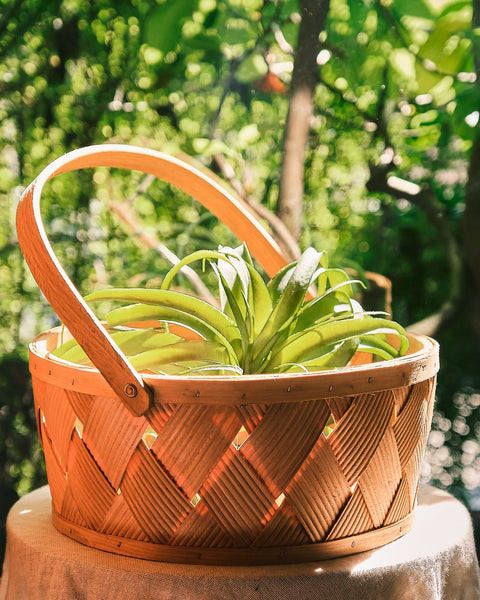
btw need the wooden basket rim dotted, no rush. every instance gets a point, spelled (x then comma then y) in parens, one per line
(248, 556)
(419, 364)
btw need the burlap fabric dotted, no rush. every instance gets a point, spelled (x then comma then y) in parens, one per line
(436, 560)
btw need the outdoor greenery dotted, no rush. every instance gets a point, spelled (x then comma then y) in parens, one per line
(351, 126)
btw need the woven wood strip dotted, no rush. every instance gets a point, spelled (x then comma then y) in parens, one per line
(80, 403)
(55, 472)
(355, 518)
(119, 521)
(108, 422)
(224, 513)
(339, 406)
(401, 503)
(401, 396)
(250, 415)
(201, 529)
(193, 441)
(379, 482)
(412, 473)
(155, 501)
(282, 441)
(58, 415)
(159, 414)
(70, 509)
(411, 423)
(432, 386)
(284, 529)
(238, 498)
(358, 433)
(319, 491)
(88, 485)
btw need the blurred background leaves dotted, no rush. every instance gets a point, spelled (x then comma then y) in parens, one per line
(391, 166)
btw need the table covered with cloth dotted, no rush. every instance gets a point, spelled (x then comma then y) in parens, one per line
(436, 560)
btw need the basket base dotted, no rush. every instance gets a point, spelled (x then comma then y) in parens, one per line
(234, 556)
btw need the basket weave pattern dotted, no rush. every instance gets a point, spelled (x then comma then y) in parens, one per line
(232, 470)
(177, 477)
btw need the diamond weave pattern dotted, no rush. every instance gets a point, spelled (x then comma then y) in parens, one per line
(192, 484)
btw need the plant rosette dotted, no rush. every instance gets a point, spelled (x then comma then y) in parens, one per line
(258, 327)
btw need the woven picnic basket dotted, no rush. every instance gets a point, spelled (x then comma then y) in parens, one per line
(151, 466)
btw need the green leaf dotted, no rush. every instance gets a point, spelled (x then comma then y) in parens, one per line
(332, 278)
(137, 313)
(450, 24)
(130, 341)
(334, 357)
(312, 343)
(236, 277)
(247, 285)
(186, 304)
(251, 68)
(261, 301)
(208, 147)
(199, 255)
(163, 27)
(374, 344)
(334, 301)
(243, 321)
(64, 348)
(74, 354)
(209, 368)
(189, 350)
(288, 304)
(278, 282)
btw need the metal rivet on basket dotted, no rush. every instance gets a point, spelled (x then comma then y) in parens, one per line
(330, 389)
(130, 390)
(197, 395)
(369, 380)
(289, 389)
(353, 544)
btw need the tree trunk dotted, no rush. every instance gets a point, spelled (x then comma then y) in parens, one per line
(300, 112)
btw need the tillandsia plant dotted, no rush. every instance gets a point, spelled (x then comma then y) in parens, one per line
(305, 318)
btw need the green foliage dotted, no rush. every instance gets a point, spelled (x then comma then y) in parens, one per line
(260, 328)
(396, 97)
(21, 459)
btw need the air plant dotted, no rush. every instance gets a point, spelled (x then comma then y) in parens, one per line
(306, 318)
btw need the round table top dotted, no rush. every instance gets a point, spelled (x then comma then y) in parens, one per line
(436, 559)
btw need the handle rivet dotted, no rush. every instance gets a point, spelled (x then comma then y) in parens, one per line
(130, 390)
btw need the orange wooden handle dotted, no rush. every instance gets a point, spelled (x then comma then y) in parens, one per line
(65, 298)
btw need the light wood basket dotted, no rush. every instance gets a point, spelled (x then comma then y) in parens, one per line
(226, 469)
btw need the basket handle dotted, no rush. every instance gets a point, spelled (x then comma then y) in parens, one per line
(65, 298)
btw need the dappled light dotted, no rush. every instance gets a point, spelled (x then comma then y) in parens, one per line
(367, 148)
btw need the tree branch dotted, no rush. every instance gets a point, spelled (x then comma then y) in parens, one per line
(280, 232)
(435, 212)
(300, 112)
(126, 212)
